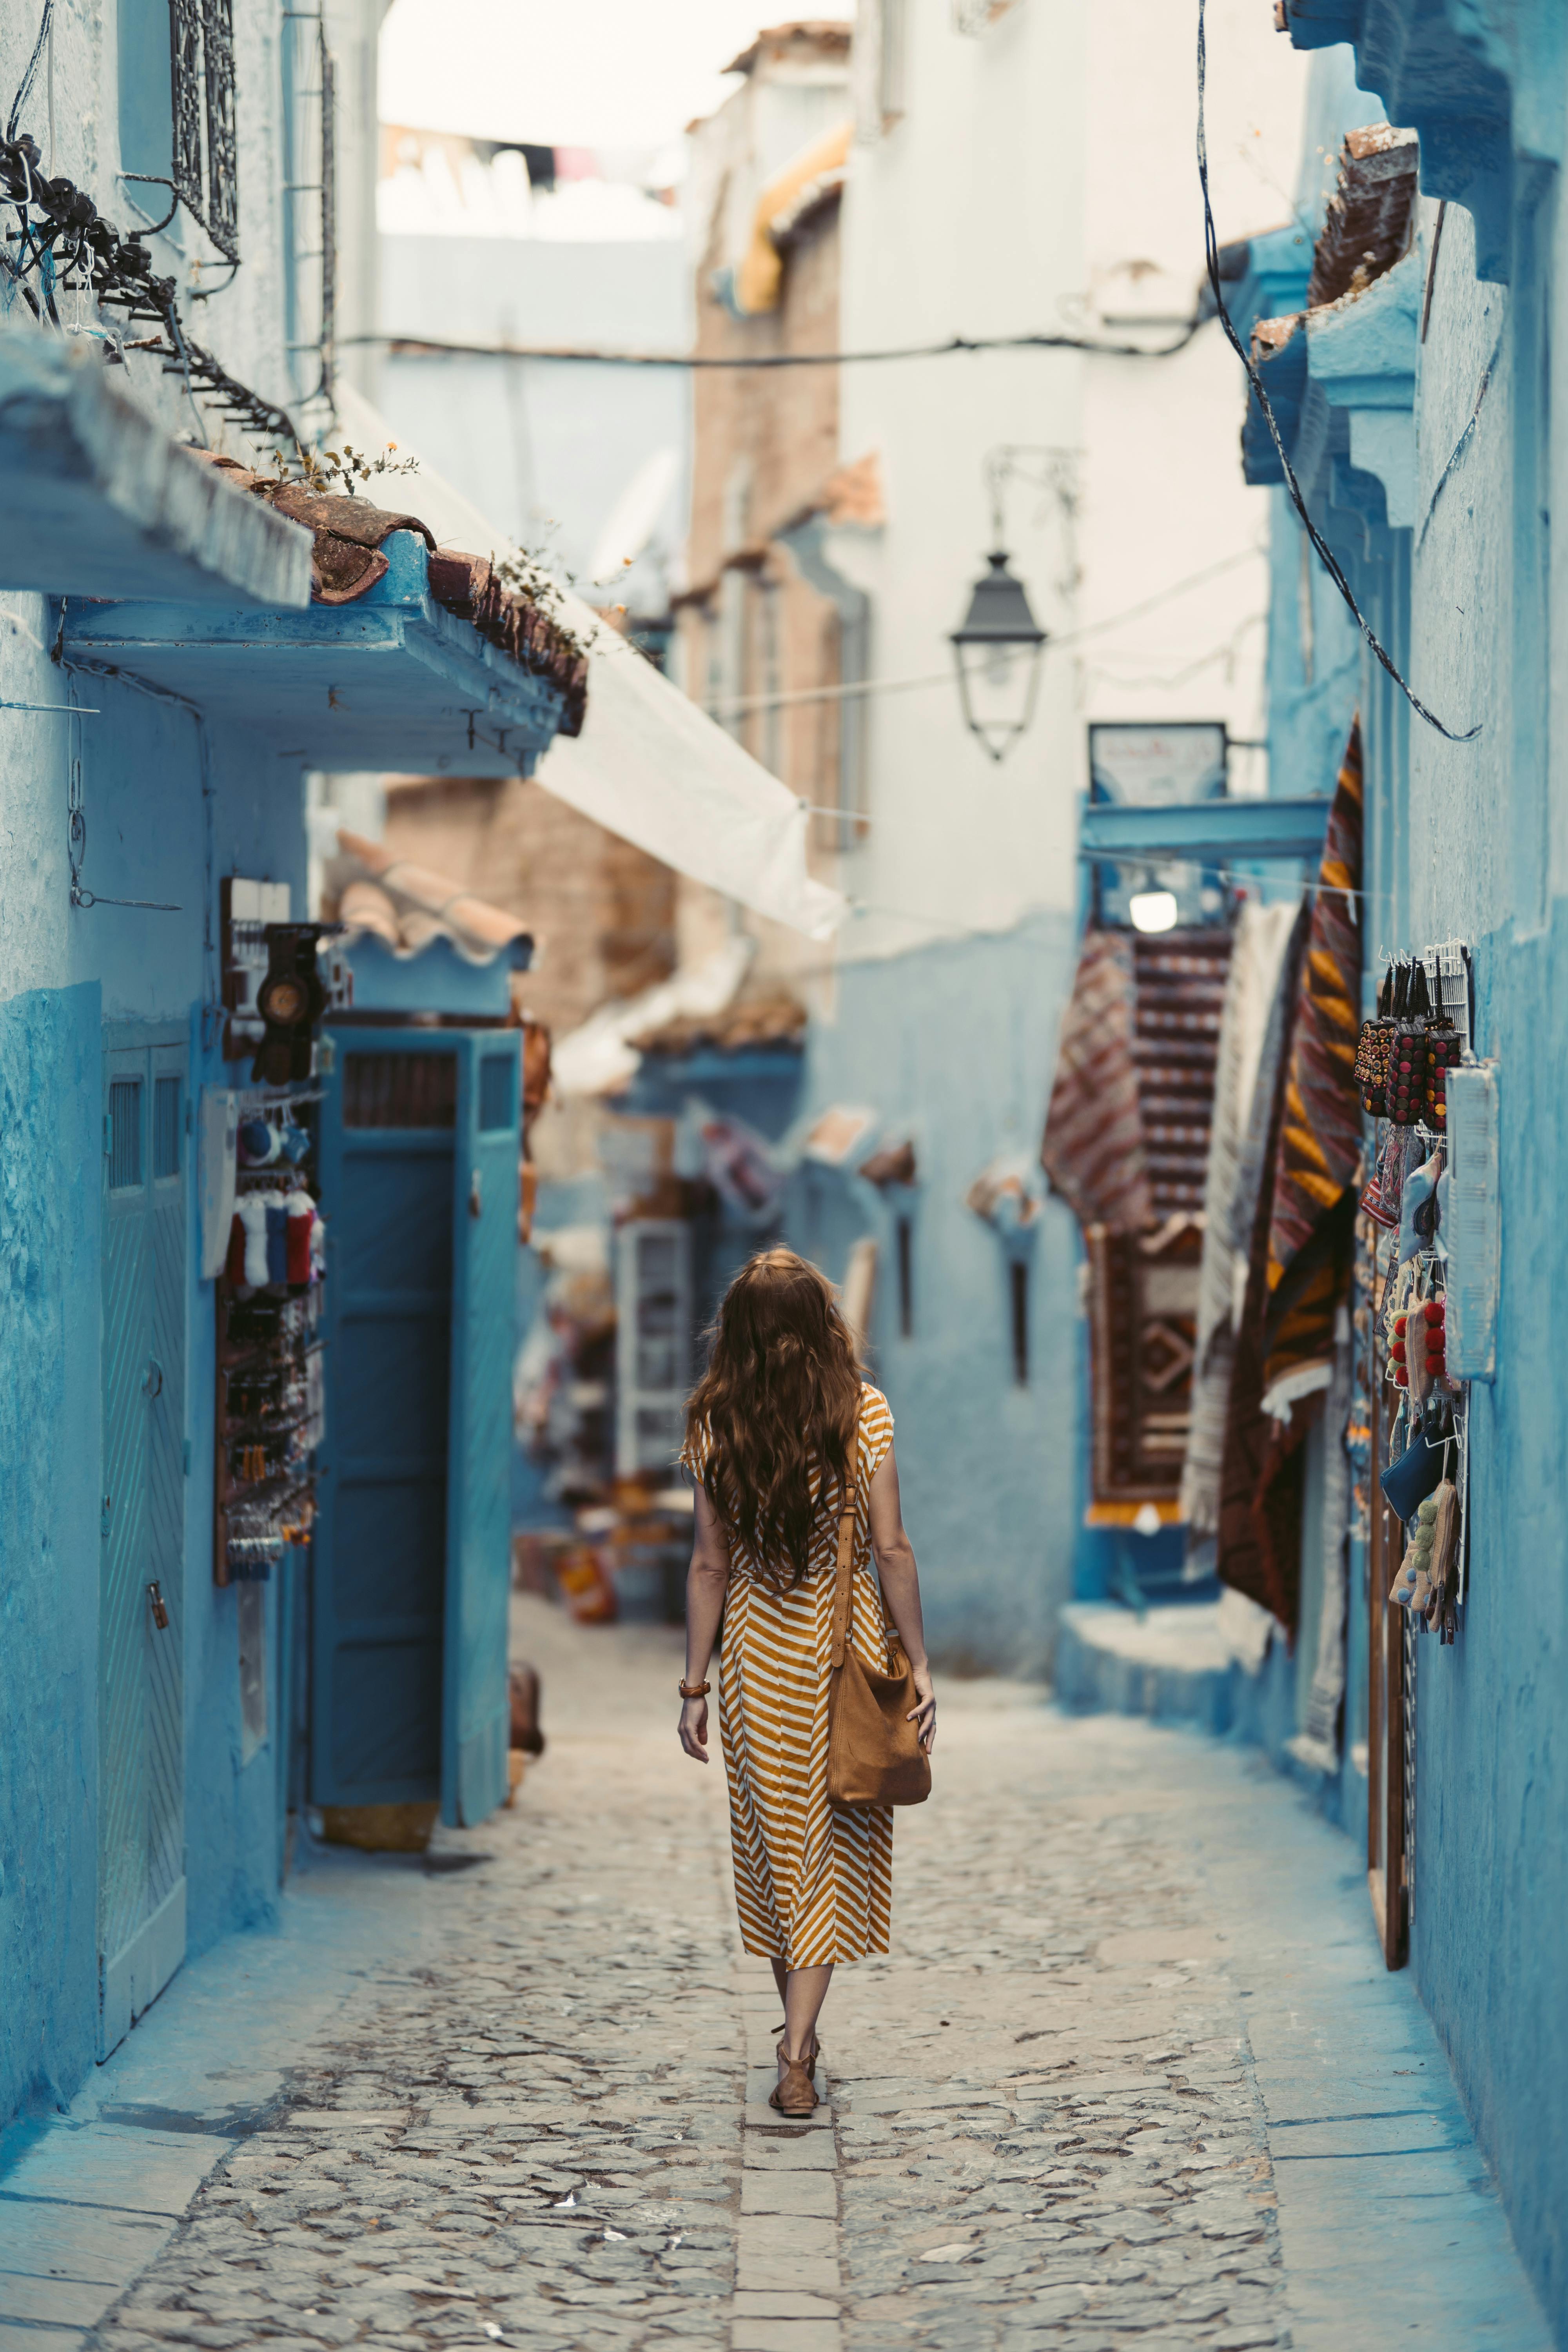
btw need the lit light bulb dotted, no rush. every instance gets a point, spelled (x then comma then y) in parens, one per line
(1152, 910)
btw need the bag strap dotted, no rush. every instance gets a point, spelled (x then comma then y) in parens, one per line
(845, 1554)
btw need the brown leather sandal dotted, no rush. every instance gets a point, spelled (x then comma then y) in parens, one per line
(815, 2050)
(796, 2094)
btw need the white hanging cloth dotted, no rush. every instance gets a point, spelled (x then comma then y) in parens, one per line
(648, 764)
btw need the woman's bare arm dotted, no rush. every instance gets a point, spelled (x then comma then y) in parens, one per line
(895, 1557)
(707, 1581)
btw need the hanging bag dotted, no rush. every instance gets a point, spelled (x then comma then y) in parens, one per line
(1409, 1052)
(1373, 1051)
(874, 1753)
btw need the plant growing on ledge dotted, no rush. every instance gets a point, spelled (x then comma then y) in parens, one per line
(523, 572)
(326, 471)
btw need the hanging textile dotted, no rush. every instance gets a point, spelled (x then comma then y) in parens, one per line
(1319, 1153)
(1318, 1742)
(1126, 1144)
(1299, 1259)
(1258, 1554)
(1142, 1302)
(1242, 1069)
(1093, 1148)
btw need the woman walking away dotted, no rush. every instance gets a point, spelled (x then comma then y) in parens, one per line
(797, 1490)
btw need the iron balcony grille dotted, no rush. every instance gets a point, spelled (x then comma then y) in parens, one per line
(205, 161)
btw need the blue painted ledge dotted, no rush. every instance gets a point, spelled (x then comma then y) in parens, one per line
(99, 501)
(391, 681)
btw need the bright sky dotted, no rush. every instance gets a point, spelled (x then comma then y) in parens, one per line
(566, 73)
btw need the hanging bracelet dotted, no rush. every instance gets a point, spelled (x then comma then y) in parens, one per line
(695, 1690)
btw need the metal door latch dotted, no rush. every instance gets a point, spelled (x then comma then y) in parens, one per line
(476, 1201)
(160, 1607)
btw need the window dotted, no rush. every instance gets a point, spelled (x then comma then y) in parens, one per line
(881, 66)
(653, 1342)
(978, 15)
(125, 1134)
(903, 1238)
(496, 1109)
(204, 166)
(400, 1090)
(166, 1093)
(770, 750)
(1018, 1272)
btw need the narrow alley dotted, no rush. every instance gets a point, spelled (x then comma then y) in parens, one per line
(1134, 2074)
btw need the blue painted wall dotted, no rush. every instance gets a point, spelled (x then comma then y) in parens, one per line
(1471, 840)
(64, 973)
(49, 1127)
(956, 1045)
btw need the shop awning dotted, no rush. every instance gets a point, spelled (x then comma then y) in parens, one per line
(648, 764)
(96, 499)
(1214, 830)
(392, 680)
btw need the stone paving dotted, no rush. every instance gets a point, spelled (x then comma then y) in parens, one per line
(1044, 2133)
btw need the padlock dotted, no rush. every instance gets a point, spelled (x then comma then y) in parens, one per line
(160, 1607)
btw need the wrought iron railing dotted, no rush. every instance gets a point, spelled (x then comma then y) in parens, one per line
(206, 167)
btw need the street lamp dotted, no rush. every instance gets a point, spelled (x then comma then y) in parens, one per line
(1153, 908)
(997, 650)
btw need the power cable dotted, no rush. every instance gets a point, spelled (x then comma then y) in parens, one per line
(1325, 553)
(25, 88)
(435, 347)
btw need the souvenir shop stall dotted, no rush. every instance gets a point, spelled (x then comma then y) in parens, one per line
(263, 1248)
(1428, 1269)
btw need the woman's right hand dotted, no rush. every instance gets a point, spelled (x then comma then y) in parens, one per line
(922, 1715)
(694, 1729)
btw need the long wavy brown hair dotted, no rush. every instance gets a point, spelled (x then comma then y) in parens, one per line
(772, 1418)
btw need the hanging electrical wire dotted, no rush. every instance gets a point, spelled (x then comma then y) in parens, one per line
(434, 347)
(25, 88)
(63, 244)
(1324, 553)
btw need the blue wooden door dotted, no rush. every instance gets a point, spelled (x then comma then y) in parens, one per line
(378, 1587)
(142, 1881)
(412, 1562)
(479, 1533)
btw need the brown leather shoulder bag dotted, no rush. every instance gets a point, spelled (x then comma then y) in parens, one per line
(874, 1754)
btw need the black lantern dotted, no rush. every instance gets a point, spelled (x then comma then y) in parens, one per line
(997, 650)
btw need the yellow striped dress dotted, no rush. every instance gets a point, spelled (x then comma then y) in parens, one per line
(813, 1881)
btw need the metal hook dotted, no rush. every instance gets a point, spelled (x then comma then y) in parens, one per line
(160, 180)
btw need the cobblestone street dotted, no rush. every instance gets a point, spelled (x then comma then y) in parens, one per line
(1115, 2086)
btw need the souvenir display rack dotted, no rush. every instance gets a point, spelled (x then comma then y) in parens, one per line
(1411, 1425)
(269, 1419)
